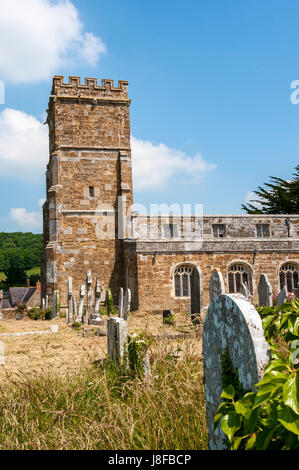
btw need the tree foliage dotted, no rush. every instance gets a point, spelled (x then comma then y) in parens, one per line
(19, 252)
(278, 197)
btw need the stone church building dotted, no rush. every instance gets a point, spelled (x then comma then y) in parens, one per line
(166, 261)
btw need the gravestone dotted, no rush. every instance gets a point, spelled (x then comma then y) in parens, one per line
(127, 304)
(95, 317)
(117, 333)
(265, 292)
(81, 303)
(46, 302)
(121, 303)
(70, 301)
(43, 307)
(244, 291)
(74, 307)
(89, 295)
(282, 296)
(231, 325)
(217, 286)
(55, 304)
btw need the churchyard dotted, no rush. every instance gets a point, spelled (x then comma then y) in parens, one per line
(136, 380)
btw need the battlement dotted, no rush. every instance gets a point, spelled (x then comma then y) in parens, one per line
(91, 89)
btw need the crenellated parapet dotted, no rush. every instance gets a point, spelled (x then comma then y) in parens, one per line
(90, 89)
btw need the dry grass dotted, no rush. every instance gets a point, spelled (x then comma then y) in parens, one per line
(54, 396)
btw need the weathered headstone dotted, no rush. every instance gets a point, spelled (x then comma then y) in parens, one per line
(46, 302)
(43, 307)
(265, 292)
(244, 291)
(127, 304)
(74, 307)
(117, 333)
(282, 296)
(81, 303)
(217, 286)
(95, 318)
(121, 303)
(55, 304)
(89, 295)
(232, 326)
(70, 301)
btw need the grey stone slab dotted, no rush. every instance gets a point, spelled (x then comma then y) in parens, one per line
(282, 296)
(231, 325)
(265, 292)
(217, 286)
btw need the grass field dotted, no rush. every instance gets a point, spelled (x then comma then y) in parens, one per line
(55, 394)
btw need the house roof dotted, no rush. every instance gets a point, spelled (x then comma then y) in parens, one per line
(20, 295)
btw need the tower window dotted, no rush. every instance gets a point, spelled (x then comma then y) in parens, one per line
(91, 191)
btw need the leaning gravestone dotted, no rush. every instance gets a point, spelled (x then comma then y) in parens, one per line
(233, 326)
(265, 292)
(217, 286)
(117, 333)
(244, 291)
(282, 296)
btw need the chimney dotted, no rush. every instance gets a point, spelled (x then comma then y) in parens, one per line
(38, 287)
(28, 283)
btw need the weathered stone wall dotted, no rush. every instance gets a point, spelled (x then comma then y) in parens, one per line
(155, 273)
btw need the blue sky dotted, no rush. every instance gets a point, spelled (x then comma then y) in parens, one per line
(210, 83)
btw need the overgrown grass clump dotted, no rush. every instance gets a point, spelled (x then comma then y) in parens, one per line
(99, 408)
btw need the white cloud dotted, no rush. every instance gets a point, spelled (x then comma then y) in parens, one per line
(24, 149)
(27, 220)
(37, 37)
(153, 165)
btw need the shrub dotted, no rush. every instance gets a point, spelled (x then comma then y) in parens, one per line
(22, 308)
(48, 314)
(36, 313)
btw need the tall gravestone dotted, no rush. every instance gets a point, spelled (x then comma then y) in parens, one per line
(216, 286)
(121, 303)
(70, 301)
(117, 334)
(244, 291)
(265, 292)
(81, 303)
(127, 304)
(89, 295)
(233, 326)
(55, 304)
(282, 296)
(95, 318)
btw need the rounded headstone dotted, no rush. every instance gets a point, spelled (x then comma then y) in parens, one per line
(232, 324)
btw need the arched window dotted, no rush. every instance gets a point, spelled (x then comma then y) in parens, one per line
(288, 276)
(182, 281)
(239, 274)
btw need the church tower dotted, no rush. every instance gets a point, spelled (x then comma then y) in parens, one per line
(89, 173)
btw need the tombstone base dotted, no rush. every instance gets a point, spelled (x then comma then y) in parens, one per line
(95, 321)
